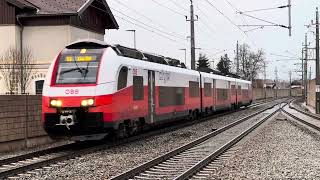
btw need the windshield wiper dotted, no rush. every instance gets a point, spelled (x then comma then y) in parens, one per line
(86, 71)
(73, 69)
(83, 71)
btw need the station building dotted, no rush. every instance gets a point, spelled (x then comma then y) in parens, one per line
(45, 27)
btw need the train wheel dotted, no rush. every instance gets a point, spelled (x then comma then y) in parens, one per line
(122, 131)
(134, 129)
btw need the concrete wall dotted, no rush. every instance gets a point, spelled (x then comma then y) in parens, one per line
(311, 101)
(20, 123)
(259, 93)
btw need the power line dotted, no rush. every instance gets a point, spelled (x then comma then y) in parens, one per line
(207, 17)
(152, 31)
(259, 19)
(178, 5)
(223, 15)
(265, 9)
(230, 21)
(170, 9)
(157, 29)
(147, 18)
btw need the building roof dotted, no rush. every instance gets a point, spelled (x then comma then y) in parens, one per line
(58, 6)
(61, 7)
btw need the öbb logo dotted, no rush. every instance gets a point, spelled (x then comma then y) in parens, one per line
(71, 91)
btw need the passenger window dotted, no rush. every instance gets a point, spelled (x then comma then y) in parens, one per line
(233, 90)
(138, 88)
(122, 79)
(207, 90)
(194, 89)
(239, 90)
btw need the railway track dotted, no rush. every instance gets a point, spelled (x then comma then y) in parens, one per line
(303, 117)
(188, 160)
(10, 167)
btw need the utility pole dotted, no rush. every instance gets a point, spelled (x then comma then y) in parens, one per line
(302, 69)
(237, 58)
(290, 74)
(289, 11)
(192, 37)
(317, 65)
(264, 80)
(306, 68)
(276, 75)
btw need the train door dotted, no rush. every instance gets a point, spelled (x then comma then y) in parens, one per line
(151, 97)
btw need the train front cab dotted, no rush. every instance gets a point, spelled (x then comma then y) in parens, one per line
(70, 105)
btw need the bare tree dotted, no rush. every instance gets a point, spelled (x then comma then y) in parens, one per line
(250, 62)
(16, 68)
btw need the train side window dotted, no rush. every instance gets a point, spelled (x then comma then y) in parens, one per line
(207, 89)
(233, 90)
(221, 94)
(194, 89)
(171, 96)
(225, 94)
(122, 79)
(239, 90)
(138, 89)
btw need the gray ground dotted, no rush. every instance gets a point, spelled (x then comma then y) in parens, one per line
(280, 150)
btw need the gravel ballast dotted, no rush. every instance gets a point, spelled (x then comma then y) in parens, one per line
(280, 150)
(116, 160)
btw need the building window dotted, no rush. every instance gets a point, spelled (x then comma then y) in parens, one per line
(207, 90)
(39, 86)
(194, 89)
(138, 88)
(122, 79)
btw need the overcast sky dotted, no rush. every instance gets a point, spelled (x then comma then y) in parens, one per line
(167, 28)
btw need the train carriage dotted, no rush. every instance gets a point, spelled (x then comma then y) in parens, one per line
(94, 89)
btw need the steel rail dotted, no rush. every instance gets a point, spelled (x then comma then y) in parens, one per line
(71, 155)
(193, 170)
(301, 120)
(304, 112)
(141, 168)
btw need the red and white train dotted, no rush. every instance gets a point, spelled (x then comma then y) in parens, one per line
(93, 88)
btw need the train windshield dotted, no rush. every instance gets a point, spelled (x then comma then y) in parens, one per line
(79, 66)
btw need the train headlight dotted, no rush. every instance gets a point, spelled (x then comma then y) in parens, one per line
(87, 102)
(55, 103)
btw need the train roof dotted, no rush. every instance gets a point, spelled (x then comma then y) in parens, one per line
(164, 63)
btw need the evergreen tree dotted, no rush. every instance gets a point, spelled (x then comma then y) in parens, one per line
(224, 64)
(203, 63)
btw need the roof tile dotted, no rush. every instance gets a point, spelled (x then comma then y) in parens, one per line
(57, 6)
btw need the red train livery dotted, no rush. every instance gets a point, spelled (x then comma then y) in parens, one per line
(93, 89)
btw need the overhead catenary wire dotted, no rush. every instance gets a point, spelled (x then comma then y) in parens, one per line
(170, 9)
(265, 9)
(275, 24)
(178, 5)
(230, 21)
(150, 30)
(148, 19)
(147, 25)
(207, 19)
